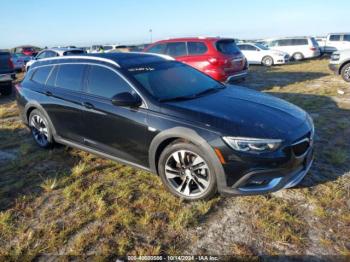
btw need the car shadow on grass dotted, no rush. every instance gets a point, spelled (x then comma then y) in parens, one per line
(27, 170)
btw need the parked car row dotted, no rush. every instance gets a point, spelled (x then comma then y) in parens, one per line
(219, 58)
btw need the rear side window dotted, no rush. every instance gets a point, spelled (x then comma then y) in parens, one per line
(176, 49)
(74, 52)
(196, 48)
(41, 74)
(158, 49)
(70, 77)
(104, 82)
(334, 38)
(227, 47)
(302, 41)
(347, 38)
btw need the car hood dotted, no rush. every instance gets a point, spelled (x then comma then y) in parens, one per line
(238, 111)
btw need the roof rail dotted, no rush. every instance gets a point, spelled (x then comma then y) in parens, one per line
(102, 59)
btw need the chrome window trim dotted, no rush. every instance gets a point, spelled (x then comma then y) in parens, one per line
(144, 104)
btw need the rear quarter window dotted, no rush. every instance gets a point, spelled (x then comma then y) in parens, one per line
(41, 74)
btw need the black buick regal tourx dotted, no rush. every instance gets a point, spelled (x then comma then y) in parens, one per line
(199, 135)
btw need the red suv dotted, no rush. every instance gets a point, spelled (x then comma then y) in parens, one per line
(217, 57)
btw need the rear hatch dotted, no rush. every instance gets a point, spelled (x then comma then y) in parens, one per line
(314, 45)
(233, 59)
(6, 65)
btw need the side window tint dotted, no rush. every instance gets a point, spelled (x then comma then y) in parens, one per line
(105, 83)
(196, 48)
(158, 49)
(176, 49)
(52, 77)
(334, 38)
(42, 55)
(70, 76)
(347, 38)
(41, 74)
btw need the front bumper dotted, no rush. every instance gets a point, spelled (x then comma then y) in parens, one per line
(237, 76)
(277, 179)
(252, 174)
(334, 68)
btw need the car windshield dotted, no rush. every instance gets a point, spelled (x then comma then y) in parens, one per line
(262, 47)
(170, 81)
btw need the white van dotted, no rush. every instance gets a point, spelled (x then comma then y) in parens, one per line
(298, 48)
(337, 42)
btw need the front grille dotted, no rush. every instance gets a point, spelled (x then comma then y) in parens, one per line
(299, 148)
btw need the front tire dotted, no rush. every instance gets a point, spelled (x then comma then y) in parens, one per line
(267, 61)
(187, 172)
(40, 129)
(345, 72)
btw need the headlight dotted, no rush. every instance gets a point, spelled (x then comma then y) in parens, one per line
(245, 144)
(335, 57)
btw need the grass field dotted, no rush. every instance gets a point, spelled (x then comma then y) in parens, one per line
(68, 202)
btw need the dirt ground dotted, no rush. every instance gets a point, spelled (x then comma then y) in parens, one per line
(68, 202)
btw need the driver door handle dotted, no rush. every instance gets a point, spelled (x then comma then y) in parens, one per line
(48, 93)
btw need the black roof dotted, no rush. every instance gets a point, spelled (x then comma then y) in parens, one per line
(124, 60)
(129, 59)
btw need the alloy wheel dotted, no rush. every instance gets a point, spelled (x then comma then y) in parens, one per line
(39, 130)
(187, 173)
(347, 73)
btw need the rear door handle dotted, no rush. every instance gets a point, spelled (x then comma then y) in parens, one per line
(48, 93)
(88, 105)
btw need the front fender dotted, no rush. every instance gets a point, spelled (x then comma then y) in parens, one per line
(192, 136)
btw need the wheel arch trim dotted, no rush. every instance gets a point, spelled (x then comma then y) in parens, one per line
(32, 105)
(192, 136)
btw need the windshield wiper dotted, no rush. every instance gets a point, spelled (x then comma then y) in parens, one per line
(177, 98)
(209, 90)
(204, 92)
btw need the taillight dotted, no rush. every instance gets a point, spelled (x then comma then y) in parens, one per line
(213, 61)
(217, 61)
(313, 48)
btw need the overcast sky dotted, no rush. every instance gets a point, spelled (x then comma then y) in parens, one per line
(83, 22)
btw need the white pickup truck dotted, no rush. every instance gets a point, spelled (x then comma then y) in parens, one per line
(336, 42)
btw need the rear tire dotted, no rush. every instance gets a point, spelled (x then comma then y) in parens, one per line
(187, 172)
(298, 56)
(267, 61)
(40, 129)
(6, 90)
(345, 72)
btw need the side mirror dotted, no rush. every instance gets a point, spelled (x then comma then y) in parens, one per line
(127, 99)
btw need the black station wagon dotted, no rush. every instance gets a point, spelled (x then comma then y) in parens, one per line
(199, 135)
